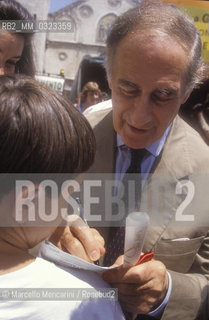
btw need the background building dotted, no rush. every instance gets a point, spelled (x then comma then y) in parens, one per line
(64, 51)
(91, 20)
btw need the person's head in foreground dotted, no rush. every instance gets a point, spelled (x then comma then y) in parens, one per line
(153, 63)
(16, 48)
(40, 133)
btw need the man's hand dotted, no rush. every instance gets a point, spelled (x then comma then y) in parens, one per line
(140, 288)
(79, 240)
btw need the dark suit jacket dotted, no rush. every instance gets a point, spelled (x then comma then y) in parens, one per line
(182, 246)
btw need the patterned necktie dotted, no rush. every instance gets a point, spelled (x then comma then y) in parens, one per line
(117, 234)
(133, 173)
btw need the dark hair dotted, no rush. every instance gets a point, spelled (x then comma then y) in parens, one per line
(12, 10)
(40, 132)
(157, 16)
(104, 96)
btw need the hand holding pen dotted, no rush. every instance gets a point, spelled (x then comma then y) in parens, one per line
(141, 286)
(78, 238)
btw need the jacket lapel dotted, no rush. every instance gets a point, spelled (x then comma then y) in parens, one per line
(159, 198)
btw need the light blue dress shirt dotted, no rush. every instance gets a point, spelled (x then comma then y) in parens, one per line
(123, 155)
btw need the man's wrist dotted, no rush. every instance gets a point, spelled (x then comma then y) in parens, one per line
(157, 312)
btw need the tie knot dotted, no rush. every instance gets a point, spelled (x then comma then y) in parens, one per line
(138, 153)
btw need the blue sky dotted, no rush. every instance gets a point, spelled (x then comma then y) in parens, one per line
(58, 4)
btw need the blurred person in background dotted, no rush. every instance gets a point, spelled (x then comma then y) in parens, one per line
(196, 109)
(89, 96)
(104, 96)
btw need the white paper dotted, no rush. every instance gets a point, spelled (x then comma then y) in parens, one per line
(51, 253)
(136, 229)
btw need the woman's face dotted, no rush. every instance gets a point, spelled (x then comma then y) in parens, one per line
(11, 48)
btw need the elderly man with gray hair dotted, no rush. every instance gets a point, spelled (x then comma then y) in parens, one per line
(153, 63)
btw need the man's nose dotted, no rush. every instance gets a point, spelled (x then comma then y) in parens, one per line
(142, 108)
(142, 104)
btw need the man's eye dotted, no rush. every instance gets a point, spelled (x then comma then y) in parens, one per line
(162, 95)
(11, 63)
(127, 92)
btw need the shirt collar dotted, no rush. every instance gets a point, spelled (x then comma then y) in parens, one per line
(155, 147)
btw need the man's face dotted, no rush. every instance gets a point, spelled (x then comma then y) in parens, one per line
(148, 87)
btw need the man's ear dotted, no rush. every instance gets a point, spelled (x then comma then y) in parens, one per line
(109, 83)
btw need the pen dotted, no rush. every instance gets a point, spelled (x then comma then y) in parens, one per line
(81, 213)
(80, 209)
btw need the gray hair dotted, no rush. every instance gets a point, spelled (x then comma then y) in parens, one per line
(164, 18)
